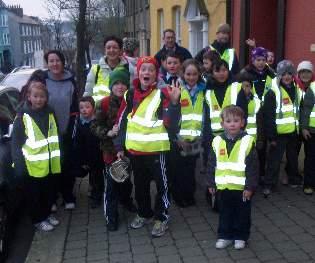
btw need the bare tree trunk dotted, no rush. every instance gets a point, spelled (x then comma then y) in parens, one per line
(80, 60)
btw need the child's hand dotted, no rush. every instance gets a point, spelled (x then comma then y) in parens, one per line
(120, 154)
(247, 194)
(306, 134)
(211, 190)
(251, 42)
(174, 92)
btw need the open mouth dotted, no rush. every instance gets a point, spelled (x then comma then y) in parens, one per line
(146, 78)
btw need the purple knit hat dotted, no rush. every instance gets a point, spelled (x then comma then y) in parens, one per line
(259, 52)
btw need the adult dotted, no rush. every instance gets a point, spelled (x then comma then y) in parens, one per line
(63, 99)
(223, 47)
(97, 82)
(169, 39)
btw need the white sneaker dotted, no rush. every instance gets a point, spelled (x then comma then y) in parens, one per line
(223, 243)
(70, 206)
(239, 244)
(53, 220)
(54, 208)
(44, 226)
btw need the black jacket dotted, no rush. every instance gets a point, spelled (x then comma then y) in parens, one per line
(220, 48)
(41, 118)
(251, 161)
(183, 52)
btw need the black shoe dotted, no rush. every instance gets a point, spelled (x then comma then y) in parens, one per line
(112, 226)
(130, 207)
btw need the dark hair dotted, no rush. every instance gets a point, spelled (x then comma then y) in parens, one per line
(212, 55)
(168, 30)
(218, 64)
(37, 76)
(191, 61)
(88, 99)
(245, 76)
(173, 54)
(59, 54)
(114, 38)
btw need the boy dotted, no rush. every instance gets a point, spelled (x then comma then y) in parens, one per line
(281, 116)
(86, 149)
(209, 58)
(173, 63)
(233, 172)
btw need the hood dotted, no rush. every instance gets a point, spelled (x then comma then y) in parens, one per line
(67, 75)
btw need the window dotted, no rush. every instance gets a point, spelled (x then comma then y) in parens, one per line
(25, 47)
(160, 26)
(176, 23)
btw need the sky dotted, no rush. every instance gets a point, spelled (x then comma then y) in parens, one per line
(30, 7)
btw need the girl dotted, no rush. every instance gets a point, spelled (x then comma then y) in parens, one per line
(186, 147)
(36, 153)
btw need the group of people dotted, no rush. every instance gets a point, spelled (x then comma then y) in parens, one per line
(163, 113)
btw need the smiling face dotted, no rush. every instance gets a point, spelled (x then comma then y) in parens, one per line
(119, 89)
(221, 74)
(191, 75)
(37, 96)
(173, 65)
(147, 74)
(305, 75)
(112, 50)
(287, 78)
(259, 63)
(169, 39)
(232, 124)
(54, 64)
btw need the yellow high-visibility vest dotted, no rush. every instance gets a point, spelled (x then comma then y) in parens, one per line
(228, 55)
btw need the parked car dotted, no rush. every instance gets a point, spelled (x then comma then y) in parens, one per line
(11, 193)
(17, 79)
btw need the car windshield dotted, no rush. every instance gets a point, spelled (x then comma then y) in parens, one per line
(16, 80)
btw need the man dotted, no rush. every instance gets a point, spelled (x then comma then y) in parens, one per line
(222, 46)
(169, 40)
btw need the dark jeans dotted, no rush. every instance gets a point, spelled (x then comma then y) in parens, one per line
(309, 162)
(40, 196)
(96, 180)
(115, 193)
(284, 144)
(234, 216)
(147, 168)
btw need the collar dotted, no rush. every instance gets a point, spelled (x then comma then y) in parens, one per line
(86, 120)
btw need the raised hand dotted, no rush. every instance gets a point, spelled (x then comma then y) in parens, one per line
(174, 92)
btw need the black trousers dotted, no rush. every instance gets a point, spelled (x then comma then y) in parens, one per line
(115, 193)
(147, 168)
(261, 147)
(96, 181)
(234, 216)
(183, 185)
(40, 197)
(309, 162)
(284, 144)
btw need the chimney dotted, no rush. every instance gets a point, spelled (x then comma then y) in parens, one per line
(16, 9)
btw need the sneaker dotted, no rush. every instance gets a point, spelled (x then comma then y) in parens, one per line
(266, 192)
(44, 226)
(53, 220)
(308, 190)
(139, 222)
(223, 243)
(54, 208)
(239, 244)
(159, 228)
(70, 206)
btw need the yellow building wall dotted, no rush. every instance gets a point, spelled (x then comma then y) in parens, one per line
(217, 15)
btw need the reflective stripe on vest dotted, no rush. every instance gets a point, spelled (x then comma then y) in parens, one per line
(42, 155)
(312, 115)
(191, 124)
(101, 87)
(215, 109)
(230, 169)
(228, 55)
(287, 119)
(253, 107)
(146, 133)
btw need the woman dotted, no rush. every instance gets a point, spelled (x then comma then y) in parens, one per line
(63, 99)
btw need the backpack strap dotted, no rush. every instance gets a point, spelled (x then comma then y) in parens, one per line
(97, 71)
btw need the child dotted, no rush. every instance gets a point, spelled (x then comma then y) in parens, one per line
(305, 75)
(150, 113)
(86, 150)
(192, 132)
(233, 172)
(209, 58)
(173, 63)
(106, 129)
(36, 152)
(281, 116)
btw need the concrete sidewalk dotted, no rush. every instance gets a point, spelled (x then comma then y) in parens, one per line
(283, 231)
